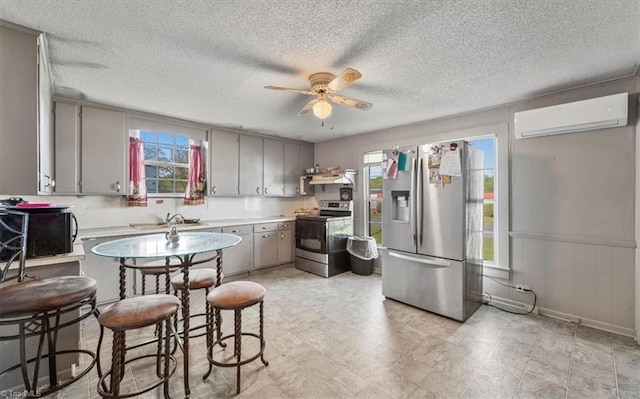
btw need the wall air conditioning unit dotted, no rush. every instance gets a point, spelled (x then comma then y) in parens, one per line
(579, 116)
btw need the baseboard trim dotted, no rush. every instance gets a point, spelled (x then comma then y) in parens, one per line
(520, 306)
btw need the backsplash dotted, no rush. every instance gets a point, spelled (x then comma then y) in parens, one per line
(102, 211)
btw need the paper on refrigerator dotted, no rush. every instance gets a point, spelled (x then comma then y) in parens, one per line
(450, 164)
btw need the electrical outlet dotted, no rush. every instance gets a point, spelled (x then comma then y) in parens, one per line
(210, 204)
(522, 288)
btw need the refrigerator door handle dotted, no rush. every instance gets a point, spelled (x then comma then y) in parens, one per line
(436, 263)
(413, 199)
(419, 201)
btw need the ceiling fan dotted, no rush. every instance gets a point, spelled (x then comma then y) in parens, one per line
(324, 85)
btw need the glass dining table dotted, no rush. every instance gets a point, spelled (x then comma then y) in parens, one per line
(190, 244)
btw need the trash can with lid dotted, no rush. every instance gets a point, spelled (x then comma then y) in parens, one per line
(363, 251)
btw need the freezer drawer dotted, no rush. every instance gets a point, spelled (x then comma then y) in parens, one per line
(446, 287)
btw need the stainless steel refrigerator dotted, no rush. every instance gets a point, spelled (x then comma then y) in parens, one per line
(432, 227)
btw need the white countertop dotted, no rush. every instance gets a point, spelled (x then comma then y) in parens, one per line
(203, 225)
(75, 256)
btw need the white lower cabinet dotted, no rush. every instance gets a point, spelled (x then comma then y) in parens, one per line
(106, 271)
(239, 258)
(273, 244)
(265, 245)
(285, 242)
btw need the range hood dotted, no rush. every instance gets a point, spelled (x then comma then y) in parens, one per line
(334, 178)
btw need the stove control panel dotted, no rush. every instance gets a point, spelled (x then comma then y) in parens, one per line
(336, 205)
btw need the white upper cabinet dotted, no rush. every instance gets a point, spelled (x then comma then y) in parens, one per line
(273, 173)
(67, 134)
(102, 152)
(18, 112)
(251, 165)
(46, 180)
(224, 149)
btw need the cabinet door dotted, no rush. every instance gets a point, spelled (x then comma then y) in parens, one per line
(224, 163)
(66, 148)
(103, 152)
(106, 271)
(251, 167)
(285, 246)
(265, 249)
(46, 181)
(239, 258)
(291, 169)
(18, 113)
(273, 173)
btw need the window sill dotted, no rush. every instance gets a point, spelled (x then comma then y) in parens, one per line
(493, 270)
(165, 195)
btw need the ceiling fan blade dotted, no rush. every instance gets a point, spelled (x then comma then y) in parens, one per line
(343, 80)
(351, 102)
(305, 110)
(301, 91)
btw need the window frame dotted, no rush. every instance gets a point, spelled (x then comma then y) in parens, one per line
(137, 122)
(495, 201)
(367, 189)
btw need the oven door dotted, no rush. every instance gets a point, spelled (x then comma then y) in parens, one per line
(311, 235)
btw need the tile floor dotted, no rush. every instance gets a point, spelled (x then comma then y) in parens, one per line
(340, 338)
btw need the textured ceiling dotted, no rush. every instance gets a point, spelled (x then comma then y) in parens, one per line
(208, 61)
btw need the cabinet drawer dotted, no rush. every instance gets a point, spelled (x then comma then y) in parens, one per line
(285, 225)
(244, 229)
(259, 228)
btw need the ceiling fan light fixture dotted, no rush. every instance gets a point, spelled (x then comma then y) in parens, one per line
(322, 109)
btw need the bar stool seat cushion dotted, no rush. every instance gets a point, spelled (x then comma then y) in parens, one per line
(158, 267)
(34, 296)
(198, 278)
(138, 312)
(236, 295)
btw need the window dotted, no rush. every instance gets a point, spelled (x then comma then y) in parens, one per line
(489, 250)
(373, 180)
(172, 167)
(166, 162)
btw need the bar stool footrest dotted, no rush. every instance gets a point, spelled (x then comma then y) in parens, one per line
(49, 390)
(172, 368)
(243, 362)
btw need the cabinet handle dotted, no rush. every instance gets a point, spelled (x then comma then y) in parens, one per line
(50, 182)
(266, 236)
(235, 231)
(285, 226)
(214, 190)
(118, 186)
(297, 190)
(282, 236)
(265, 227)
(258, 190)
(266, 190)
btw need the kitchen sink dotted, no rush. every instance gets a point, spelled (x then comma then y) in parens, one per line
(152, 226)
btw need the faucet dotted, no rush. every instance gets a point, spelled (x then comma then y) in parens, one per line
(178, 218)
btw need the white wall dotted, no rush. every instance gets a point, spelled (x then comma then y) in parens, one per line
(572, 206)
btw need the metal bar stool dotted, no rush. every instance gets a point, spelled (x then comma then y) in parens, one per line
(33, 307)
(157, 268)
(236, 296)
(198, 279)
(129, 314)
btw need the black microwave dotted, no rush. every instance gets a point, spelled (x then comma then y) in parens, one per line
(49, 233)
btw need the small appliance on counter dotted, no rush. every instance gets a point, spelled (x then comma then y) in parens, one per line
(51, 231)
